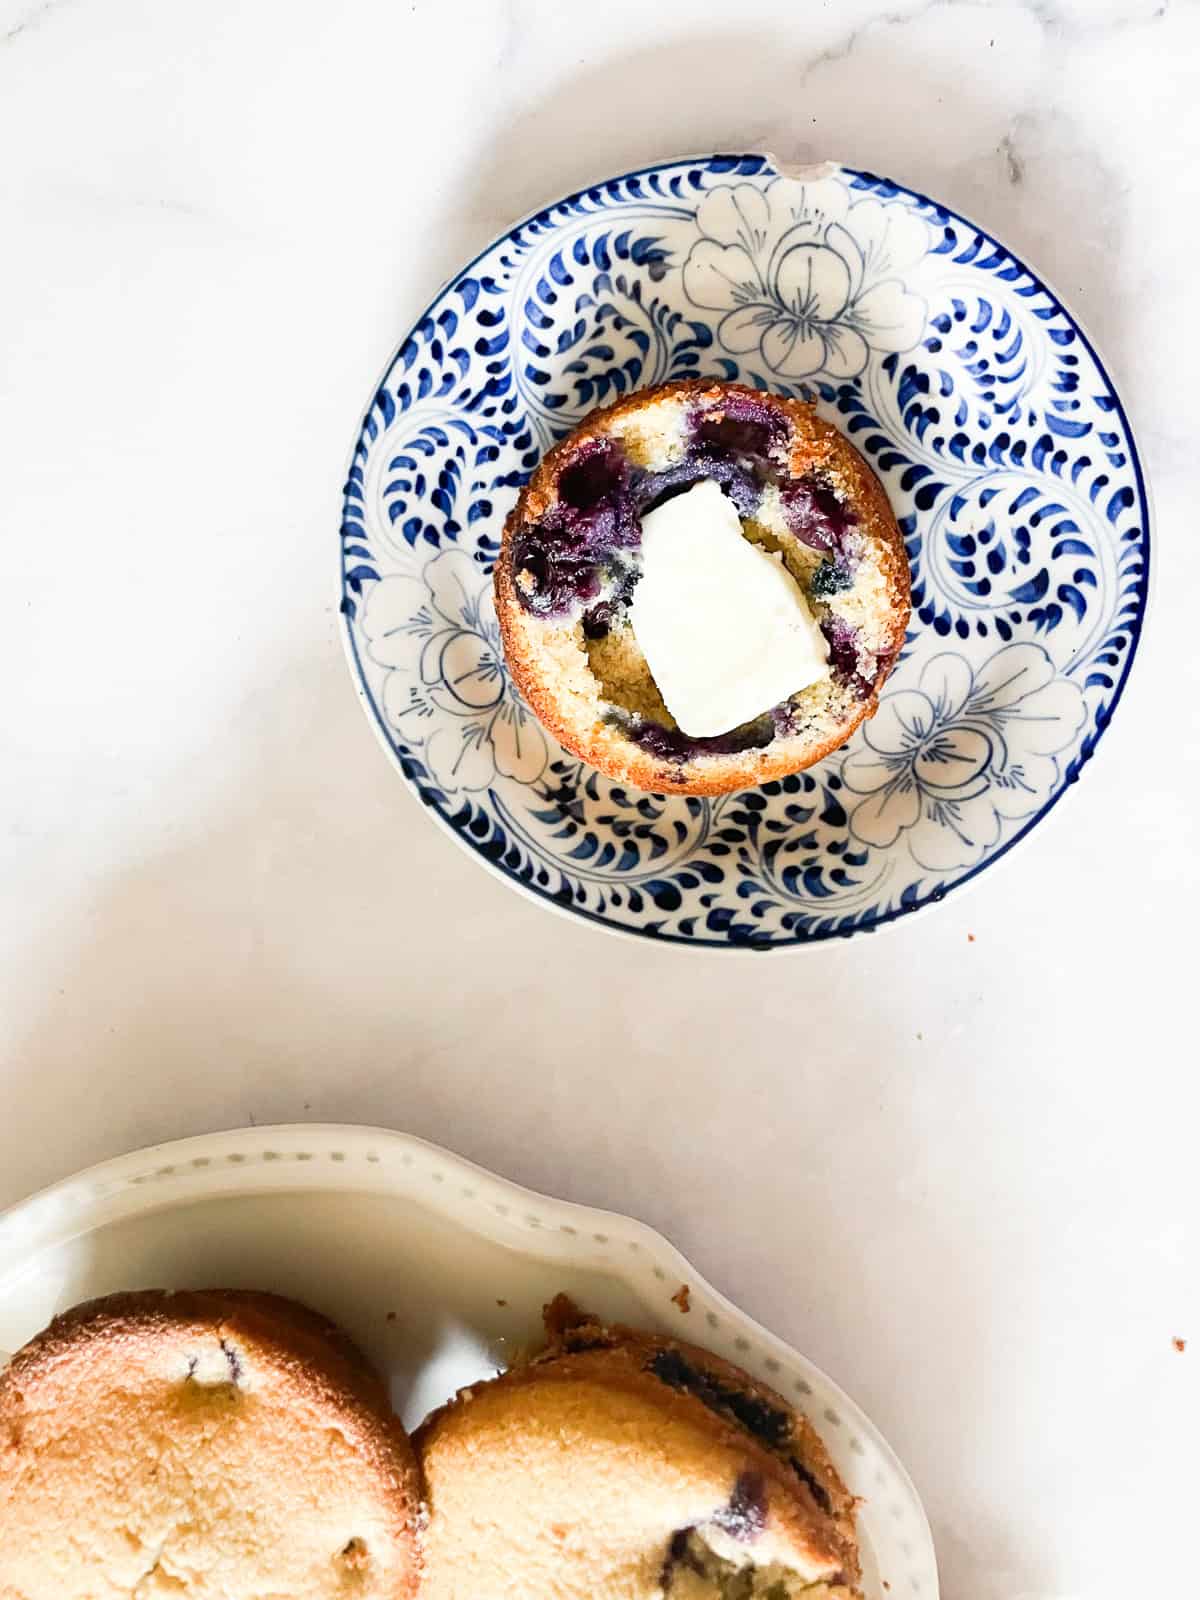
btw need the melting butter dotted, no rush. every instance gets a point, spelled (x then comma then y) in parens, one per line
(723, 625)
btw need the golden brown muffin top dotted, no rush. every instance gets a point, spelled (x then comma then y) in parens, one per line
(211, 1445)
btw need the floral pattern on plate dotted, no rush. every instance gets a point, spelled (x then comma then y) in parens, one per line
(445, 687)
(975, 397)
(947, 763)
(807, 281)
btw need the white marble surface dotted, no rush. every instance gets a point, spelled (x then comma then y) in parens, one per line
(955, 1163)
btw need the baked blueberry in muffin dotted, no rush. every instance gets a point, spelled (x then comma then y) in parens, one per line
(702, 588)
(624, 1464)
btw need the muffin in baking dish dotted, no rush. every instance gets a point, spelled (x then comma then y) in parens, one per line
(623, 1464)
(697, 553)
(201, 1445)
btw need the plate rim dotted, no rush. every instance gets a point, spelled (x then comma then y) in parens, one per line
(900, 914)
(57, 1215)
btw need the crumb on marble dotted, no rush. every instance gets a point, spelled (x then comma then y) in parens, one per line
(1179, 1344)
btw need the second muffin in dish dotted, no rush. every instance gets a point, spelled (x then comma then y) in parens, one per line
(624, 1464)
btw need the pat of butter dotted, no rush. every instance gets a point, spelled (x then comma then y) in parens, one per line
(722, 624)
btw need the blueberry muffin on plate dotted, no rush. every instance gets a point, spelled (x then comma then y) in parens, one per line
(616, 1465)
(703, 587)
(202, 1446)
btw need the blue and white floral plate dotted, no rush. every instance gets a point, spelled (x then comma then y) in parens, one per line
(974, 394)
